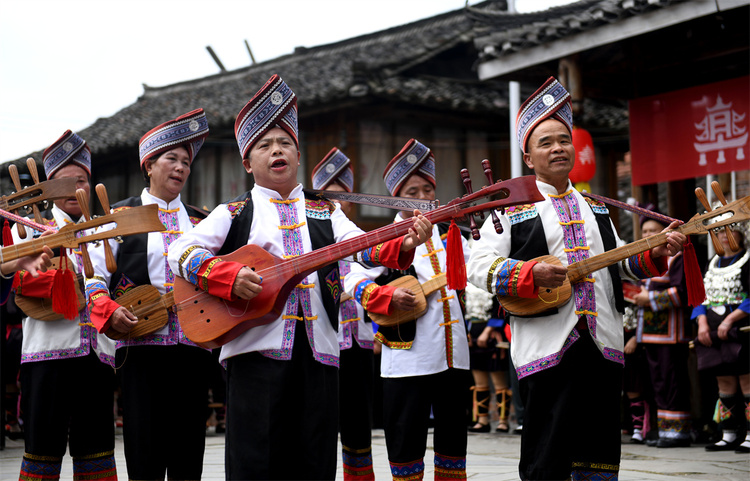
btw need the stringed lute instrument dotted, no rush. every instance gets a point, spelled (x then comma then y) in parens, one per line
(210, 321)
(549, 298)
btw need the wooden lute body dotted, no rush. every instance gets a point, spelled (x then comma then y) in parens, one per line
(421, 291)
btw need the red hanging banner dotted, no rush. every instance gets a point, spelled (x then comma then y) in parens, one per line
(691, 133)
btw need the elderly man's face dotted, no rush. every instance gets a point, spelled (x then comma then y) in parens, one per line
(416, 187)
(550, 152)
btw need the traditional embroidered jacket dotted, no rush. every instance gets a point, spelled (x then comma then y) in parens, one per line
(354, 326)
(64, 338)
(501, 263)
(141, 260)
(285, 229)
(434, 342)
(665, 320)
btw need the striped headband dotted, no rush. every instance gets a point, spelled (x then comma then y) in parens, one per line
(189, 131)
(414, 157)
(274, 105)
(335, 167)
(68, 149)
(550, 101)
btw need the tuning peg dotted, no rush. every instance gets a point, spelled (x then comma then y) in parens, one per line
(83, 202)
(101, 192)
(31, 165)
(13, 171)
(472, 223)
(488, 173)
(704, 201)
(720, 195)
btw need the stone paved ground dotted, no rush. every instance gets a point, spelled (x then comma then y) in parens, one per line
(491, 457)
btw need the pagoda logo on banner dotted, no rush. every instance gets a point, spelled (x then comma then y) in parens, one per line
(721, 130)
(691, 133)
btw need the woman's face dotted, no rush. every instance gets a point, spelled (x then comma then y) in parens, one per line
(651, 227)
(168, 173)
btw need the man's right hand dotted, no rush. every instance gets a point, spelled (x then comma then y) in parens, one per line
(548, 275)
(122, 320)
(403, 299)
(247, 284)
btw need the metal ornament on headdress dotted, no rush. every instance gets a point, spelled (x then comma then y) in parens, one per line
(68, 149)
(189, 130)
(274, 105)
(335, 167)
(414, 157)
(551, 100)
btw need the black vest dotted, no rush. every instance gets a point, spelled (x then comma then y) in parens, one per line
(321, 235)
(132, 256)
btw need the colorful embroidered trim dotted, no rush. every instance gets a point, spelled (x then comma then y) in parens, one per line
(410, 471)
(521, 213)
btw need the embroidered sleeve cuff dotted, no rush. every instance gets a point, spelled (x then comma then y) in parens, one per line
(41, 286)
(379, 300)
(526, 287)
(387, 254)
(101, 309)
(217, 277)
(644, 266)
(665, 299)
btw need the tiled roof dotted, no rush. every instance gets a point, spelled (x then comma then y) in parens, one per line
(502, 33)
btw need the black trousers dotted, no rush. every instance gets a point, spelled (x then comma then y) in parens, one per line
(406, 415)
(355, 397)
(68, 401)
(572, 418)
(668, 365)
(164, 401)
(282, 416)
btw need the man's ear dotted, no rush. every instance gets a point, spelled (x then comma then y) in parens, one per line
(299, 155)
(246, 165)
(527, 160)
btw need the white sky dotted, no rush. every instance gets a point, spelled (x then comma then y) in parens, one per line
(65, 63)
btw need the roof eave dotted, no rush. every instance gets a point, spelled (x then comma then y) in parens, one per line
(603, 35)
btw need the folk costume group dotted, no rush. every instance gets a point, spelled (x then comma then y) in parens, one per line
(293, 384)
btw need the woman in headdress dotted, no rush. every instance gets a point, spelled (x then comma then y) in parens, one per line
(722, 349)
(663, 328)
(163, 374)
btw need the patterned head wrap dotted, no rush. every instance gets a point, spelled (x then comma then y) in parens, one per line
(274, 105)
(335, 167)
(68, 149)
(414, 157)
(189, 131)
(550, 101)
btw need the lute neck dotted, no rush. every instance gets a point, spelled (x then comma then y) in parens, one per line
(579, 270)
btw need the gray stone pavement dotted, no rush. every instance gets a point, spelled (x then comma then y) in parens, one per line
(490, 457)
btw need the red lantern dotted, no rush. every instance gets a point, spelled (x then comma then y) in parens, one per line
(585, 164)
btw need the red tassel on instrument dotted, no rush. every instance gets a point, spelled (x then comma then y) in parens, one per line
(7, 236)
(456, 272)
(64, 298)
(693, 275)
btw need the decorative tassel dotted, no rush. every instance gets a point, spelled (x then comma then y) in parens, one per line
(64, 297)
(7, 236)
(456, 272)
(693, 275)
